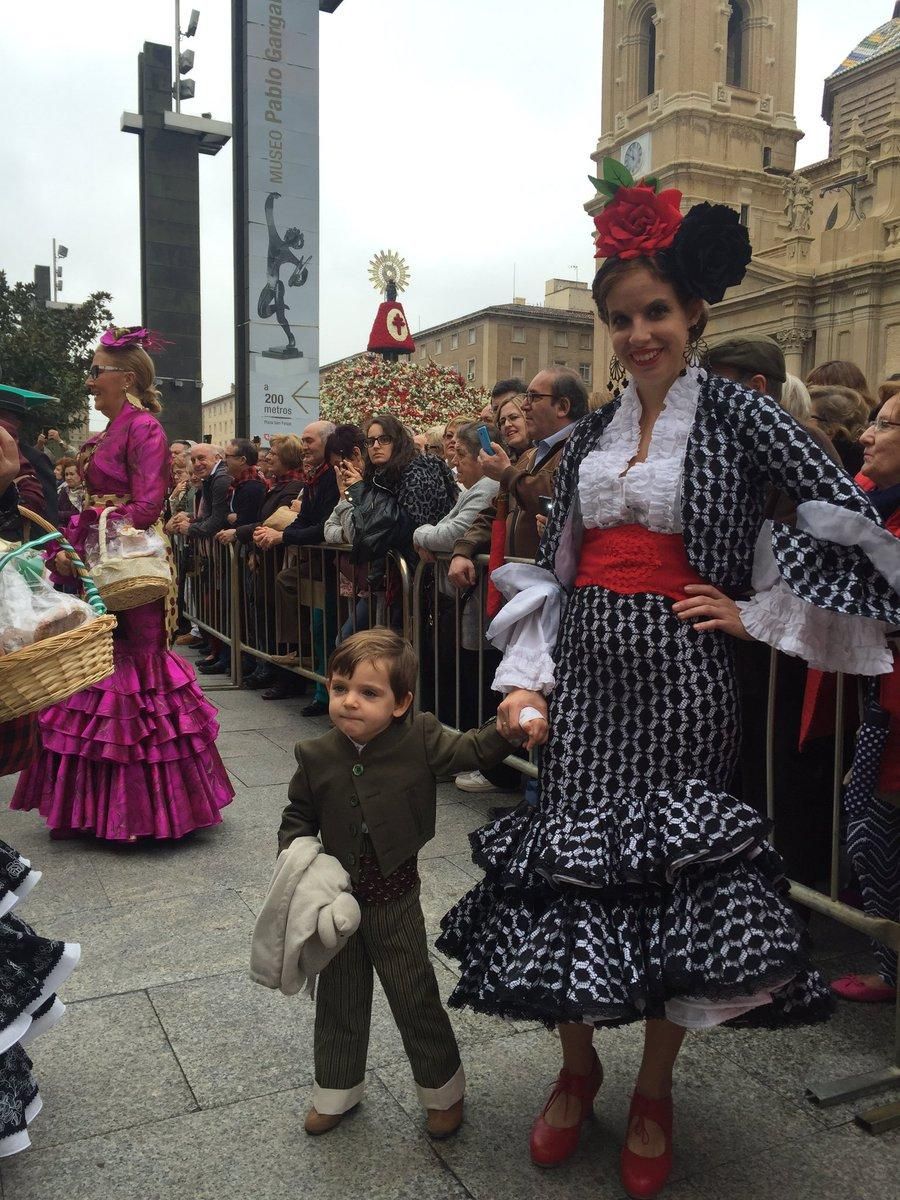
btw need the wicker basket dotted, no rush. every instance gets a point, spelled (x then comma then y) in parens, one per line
(125, 583)
(50, 670)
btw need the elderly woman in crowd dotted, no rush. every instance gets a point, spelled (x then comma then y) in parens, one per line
(513, 428)
(397, 491)
(449, 439)
(70, 497)
(434, 441)
(841, 414)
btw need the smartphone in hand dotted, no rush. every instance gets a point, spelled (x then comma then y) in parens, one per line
(485, 439)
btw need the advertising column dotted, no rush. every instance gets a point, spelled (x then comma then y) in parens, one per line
(280, 338)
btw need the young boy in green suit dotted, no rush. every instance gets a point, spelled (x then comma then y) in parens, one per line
(367, 789)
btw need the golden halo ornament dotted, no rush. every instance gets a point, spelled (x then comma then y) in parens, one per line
(388, 270)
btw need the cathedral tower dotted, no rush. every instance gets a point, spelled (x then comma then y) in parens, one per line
(700, 93)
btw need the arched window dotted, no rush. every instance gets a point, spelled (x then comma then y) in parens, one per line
(735, 61)
(648, 52)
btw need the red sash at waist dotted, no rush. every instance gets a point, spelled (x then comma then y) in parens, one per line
(629, 558)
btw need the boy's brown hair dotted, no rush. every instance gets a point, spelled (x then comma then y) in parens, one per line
(378, 645)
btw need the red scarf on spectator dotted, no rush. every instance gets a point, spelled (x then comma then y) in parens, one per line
(245, 476)
(290, 475)
(312, 480)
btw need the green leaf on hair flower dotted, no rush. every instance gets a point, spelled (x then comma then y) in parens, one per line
(651, 181)
(614, 172)
(605, 189)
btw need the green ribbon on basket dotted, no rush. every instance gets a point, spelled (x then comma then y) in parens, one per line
(90, 589)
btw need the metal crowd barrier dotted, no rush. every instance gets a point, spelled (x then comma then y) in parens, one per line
(837, 1091)
(232, 592)
(286, 605)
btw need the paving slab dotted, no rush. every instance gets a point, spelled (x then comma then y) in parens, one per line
(226, 856)
(827, 1166)
(277, 715)
(241, 743)
(722, 1113)
(64, 887)
(262, 769)
(266, 1043)
(255, 1149)
(858, 1038)
(285, 737)
(107, 1065)
(131, 946)
(464, 862)
(454, 823)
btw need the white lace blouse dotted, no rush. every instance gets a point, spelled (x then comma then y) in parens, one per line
(649, 493)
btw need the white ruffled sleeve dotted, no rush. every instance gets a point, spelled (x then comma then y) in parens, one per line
(827, 640)
(525, 629)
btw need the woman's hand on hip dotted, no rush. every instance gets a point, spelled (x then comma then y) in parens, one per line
(535, 731)
(708, 608)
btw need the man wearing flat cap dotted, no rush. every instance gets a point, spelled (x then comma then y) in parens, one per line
(752, 359)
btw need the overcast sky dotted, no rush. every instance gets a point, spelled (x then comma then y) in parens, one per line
(458, 133)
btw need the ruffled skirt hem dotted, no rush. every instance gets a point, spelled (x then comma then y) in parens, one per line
(680, 911)
(133, 756)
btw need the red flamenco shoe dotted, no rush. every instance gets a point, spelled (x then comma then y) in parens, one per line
(642, 1178)
(549, 1146)
(854, 987)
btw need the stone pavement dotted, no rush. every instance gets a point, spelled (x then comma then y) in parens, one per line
(173, 1077)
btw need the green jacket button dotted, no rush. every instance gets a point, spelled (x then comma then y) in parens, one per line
(357, 768)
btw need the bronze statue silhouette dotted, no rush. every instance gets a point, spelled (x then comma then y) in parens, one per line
(271, 298)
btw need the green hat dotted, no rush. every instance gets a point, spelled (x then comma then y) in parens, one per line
(19, 400)
(751, 354)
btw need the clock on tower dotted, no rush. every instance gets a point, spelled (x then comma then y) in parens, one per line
(635, 155)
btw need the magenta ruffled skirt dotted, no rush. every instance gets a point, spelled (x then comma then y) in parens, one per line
(134, 755)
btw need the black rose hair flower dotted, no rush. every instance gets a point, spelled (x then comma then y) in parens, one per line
(710, 251)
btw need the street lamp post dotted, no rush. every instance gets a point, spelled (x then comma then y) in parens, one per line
(59, 251)
(183, 88)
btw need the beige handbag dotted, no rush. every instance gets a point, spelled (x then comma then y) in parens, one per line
(127, 582)
(280, 518)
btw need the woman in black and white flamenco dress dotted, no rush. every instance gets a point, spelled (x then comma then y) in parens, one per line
(639, 889)
(31, 969)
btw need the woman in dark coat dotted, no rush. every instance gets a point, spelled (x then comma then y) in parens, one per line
(399, 490)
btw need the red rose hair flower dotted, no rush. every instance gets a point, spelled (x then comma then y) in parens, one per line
(637, 222)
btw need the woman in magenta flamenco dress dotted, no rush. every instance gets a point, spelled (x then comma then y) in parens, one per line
(133, 756)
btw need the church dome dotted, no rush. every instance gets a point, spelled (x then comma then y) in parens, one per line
(880, 41)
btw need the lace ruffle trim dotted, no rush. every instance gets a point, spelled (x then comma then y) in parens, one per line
(827, 641)
(650, 491)
(523, 668)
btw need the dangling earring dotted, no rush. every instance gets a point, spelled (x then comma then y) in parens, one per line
(617, 377)
(696, 352)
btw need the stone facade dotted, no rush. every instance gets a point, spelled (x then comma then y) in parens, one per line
(219, 418)
(699, 93)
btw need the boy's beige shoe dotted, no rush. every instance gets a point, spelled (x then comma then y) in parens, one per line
(317, 1123)
(444, 1122)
